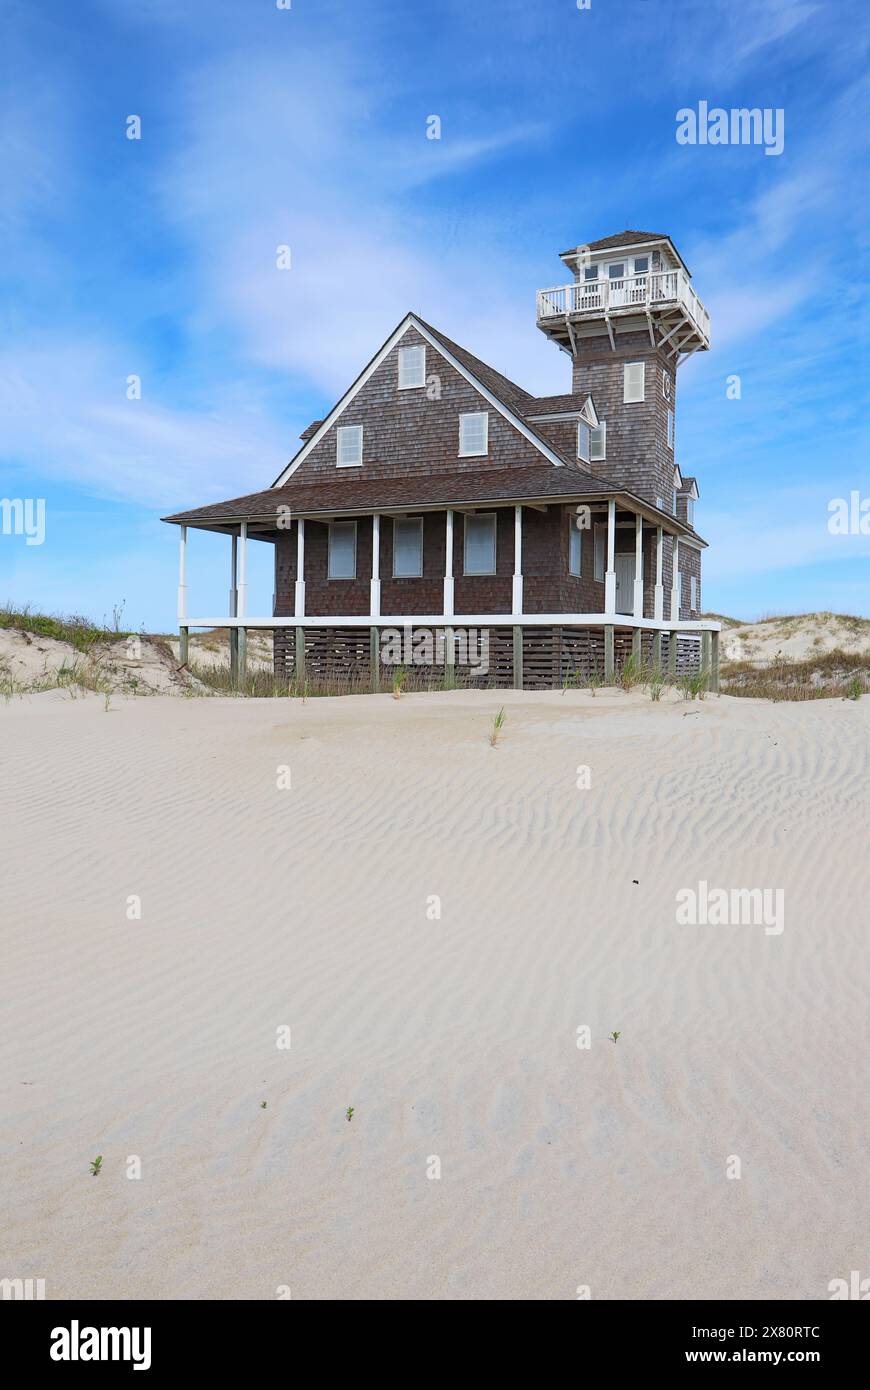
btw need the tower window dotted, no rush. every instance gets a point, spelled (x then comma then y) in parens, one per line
(633, 382)
(690, 510)
(590, 272)
(641, 265)
(598, 442)
(473, 433)
(670, 429)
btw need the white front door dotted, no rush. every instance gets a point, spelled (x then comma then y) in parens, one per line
(624, 583)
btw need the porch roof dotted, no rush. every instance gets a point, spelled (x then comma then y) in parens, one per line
(425, 491)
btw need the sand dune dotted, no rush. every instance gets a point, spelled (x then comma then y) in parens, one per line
(456, 1038)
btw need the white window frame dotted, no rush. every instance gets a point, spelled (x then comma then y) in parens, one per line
(408, 521)
(480, 516)
(690, 510)
(599, 552)
(666, 384)
(660, 503)
(574, 529)
(584, 434)
(601, 431)
(634, 262)
(343, 525)
(626, 378)
(693, 593)
(474, 415)
(419, 354)
(671, 427)
(342, 438)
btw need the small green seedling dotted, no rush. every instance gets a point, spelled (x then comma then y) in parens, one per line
(399, 678)
(614, 1036)
(348, 1114)
(853, 689)
(497, 727)
(97, 1166)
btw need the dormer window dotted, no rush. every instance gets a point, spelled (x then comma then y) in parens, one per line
(583, 433)
(690, 510)
(412, 367)
(348, 446)
(473, 434)
(598, 443)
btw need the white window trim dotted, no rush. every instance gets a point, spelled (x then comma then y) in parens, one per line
(344, 429)
(408, 521)
(690, 510)
(672, 424)
(340, 577)
(474, 453)
(412, 385)
(479, 516)
(581, 426)
(666, 384)
(572, 527)
(593, 457)
(626, 398)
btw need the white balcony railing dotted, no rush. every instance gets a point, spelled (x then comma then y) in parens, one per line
(595, 296)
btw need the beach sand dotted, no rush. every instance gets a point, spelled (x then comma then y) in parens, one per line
(454, 1038)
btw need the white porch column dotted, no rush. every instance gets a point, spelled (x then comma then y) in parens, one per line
(182, 575)
(675, 583)
(659, 609)
(299, 597)
(375, 607)
(638, 566)
(242, 604)
(448, 566)
(517, 593)
(234, 577)
(610, 573)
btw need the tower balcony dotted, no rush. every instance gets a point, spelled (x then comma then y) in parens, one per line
(662, 300)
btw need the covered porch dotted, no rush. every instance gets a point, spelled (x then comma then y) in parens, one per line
(619, 583)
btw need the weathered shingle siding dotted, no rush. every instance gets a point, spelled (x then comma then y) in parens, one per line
(406, 432)
(638, 455)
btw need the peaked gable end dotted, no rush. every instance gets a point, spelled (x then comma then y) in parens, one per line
(402, 416)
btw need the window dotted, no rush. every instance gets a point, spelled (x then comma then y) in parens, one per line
(616, 271)
(583, 441)
(670, 429)
(473, 434)
(600, 553)
(693, 593)
(641, 265)
(480, 544)
(408, 548)
(598, 442)
(660, 503)
(342, 550)
(590, 272)
(666, 384)
(412, 367)
(690, 510)
(349, 446)
(633, 381)
(575, 547)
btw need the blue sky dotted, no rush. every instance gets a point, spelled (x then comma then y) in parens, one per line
(307, 127)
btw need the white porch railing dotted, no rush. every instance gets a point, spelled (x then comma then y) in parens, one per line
(596, 296)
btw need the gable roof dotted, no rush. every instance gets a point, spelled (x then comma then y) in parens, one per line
(509, 399)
